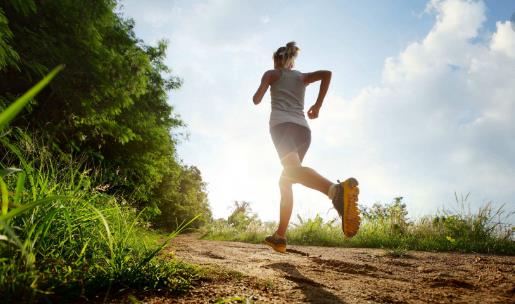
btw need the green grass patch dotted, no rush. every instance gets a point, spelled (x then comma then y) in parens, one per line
(236, 299)
(399, 252)
(63, 239)
(385, 226)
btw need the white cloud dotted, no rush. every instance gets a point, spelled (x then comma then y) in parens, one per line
(442, 120)
(503, 40)
(265, 19)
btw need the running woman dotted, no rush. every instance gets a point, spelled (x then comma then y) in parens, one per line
(291, 136)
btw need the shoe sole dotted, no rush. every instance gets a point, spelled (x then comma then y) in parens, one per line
(278, 248)
(351, 220)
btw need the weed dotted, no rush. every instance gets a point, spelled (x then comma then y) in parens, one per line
(220, 274)
(387, 226)
(61, 239)
(236, 299)
(398, 252)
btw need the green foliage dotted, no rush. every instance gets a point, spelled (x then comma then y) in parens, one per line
(8, 56)
(8, 114)
(62, 235)
(236, 299)
(314, 231)
(397, 252)
(181, 197)
(387, 226)
(242, 215)
(109, 106)
(393, 215)
(63, 239)
(241, 225)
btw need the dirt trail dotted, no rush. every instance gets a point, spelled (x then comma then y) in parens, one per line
(341, 275)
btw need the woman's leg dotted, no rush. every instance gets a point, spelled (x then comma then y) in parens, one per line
(286, 206)
(296, 173)
(294, 138)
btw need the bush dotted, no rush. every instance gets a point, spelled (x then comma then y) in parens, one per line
(109, 105)
(62, 238)
(388, 226)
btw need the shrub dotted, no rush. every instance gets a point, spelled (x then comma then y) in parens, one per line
(388, 226)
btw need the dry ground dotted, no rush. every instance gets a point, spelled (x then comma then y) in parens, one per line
(310, 274)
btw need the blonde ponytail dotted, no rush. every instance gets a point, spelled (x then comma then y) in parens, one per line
(286, 55)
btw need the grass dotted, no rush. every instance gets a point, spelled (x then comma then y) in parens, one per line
(8, 114)
(387, 226)
(236, 299)
(398, 252)
(63, 239)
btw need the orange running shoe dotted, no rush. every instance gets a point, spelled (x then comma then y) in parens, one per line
(277, 244)
(345, 201)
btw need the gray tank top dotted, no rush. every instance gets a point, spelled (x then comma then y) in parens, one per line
(288, 99)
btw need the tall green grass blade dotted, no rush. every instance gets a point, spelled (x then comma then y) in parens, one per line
(14, 239)
(16, 211)
(8, 171)
(42, 228)
(69, 226)
(14, 149)
(13, 110)
(131, 227)
(20, 186)
(27, 168)
(106, 226)
(172, 235)
(5, 196)
(81, 255)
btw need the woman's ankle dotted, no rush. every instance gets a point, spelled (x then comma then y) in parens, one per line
(332, 191)
(277, 235)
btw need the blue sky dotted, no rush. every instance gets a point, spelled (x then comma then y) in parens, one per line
(421, 104)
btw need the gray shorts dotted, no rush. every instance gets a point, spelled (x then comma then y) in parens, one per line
(290, 137)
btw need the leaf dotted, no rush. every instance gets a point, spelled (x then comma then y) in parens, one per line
(5, 196)
(13, 110)
(172, 235)
(450, 239)
(9, 171)
(19, 210)
(106, 226)
(20, 186)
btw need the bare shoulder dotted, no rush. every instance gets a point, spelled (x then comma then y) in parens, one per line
(272, 75)
(308, 78)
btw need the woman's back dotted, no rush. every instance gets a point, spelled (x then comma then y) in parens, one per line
(287, 95)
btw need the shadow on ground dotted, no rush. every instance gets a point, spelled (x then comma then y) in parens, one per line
(314, 291)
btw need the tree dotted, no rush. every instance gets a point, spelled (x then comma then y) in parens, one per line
(182, 197)
(109, 105)
(241, 215)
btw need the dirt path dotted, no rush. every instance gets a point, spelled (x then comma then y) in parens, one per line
(340, 275)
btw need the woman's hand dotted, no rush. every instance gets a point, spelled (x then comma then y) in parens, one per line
(313, 111)
(325, 78)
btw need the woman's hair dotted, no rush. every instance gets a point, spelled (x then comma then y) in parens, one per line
(285, 55)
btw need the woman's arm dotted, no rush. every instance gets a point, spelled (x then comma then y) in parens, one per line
(267, 79)
(325, 78)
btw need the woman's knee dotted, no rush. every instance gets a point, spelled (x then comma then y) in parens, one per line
(292, 173)
(284, 183)
(291, 160)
